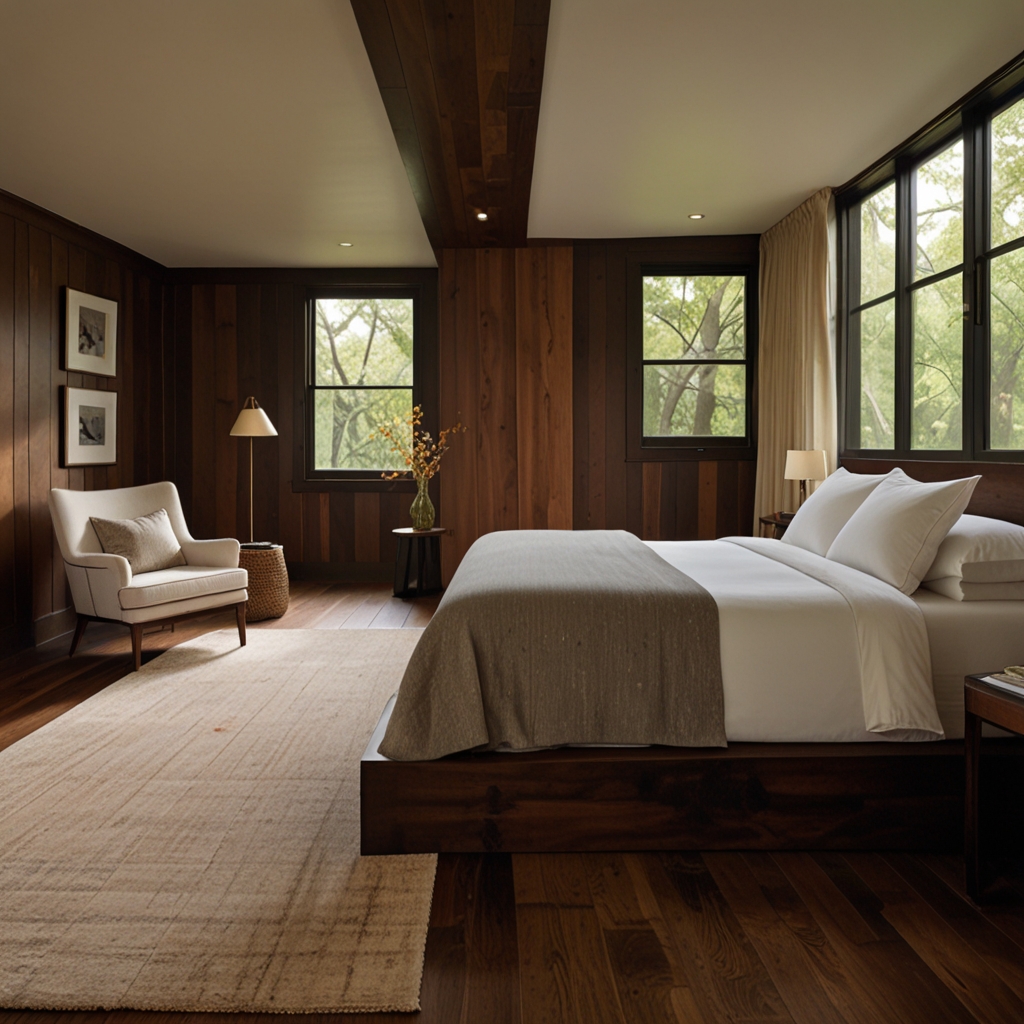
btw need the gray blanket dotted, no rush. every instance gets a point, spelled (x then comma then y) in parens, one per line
(550, 637)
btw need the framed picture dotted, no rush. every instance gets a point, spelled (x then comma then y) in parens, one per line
(91, 334)
(90, 427)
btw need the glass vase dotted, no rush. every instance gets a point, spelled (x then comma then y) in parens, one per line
(422, 508)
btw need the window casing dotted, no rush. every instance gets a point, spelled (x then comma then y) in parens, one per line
(370, 355)
(932, 291)
(693, 357)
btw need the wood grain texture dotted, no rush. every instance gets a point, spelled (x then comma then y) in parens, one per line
(655, 494)
(461, 83)
(544, 387)
(748, 796)
(40, 256)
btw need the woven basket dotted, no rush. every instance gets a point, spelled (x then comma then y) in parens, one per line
(268, 582)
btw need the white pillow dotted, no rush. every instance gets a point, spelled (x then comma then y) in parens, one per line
(980, 550)
(958, 590)
(829, 508)
(897, 530)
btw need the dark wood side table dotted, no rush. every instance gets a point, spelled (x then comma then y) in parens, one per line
(418, 563)
(777, 521)
(982, 703)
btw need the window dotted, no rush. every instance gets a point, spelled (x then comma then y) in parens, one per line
(934, 293)
(694, 360)
(368, 357)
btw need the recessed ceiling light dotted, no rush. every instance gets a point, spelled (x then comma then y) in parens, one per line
(696, 216)
(481, 215)
(345, 245)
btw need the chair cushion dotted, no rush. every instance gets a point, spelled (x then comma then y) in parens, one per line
(148, 542)
(179, 584)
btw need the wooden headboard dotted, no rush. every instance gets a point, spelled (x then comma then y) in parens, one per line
(999, 494)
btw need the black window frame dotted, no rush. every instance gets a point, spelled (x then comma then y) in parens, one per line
(969, 120)
(416, 284)
(643, 448)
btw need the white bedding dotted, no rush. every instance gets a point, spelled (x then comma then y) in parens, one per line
(968, 638)
(812, 650)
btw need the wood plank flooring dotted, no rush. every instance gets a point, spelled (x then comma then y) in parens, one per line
(678, 938)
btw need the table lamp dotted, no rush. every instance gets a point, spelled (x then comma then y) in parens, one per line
(804, 466)
(252, 422)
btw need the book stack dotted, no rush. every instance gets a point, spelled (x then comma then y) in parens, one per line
(1011, 679)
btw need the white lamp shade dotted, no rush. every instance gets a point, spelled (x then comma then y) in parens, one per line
(805, 466)
(253, 422)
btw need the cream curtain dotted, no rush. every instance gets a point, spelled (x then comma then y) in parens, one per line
(796, 361)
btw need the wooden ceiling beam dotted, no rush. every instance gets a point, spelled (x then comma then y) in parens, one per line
(461, 82)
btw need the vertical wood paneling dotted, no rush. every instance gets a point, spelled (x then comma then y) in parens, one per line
(544, 386)
(707, 501)
(39, 275)
(367, 527)
(497, 472)
(22, 390)
(204, 411)
(8, 627)
(681, 500)
(39, 259)
(228, 404)
(651, 501)
(288, 334)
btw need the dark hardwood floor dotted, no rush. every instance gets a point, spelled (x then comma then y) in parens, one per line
(595, 938)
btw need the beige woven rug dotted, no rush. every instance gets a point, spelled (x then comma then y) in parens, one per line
(188, 838)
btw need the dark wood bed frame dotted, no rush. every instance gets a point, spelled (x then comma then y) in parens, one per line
(752, 796)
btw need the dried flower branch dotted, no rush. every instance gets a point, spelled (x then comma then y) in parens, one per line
(422, 454)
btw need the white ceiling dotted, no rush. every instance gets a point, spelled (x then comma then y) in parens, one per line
(656, 109)
(251, 132)
(206, 132)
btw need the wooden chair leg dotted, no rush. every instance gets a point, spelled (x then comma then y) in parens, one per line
(83, 621)
(240, 617)
(136, 628)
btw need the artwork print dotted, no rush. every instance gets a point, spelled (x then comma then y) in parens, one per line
(91, 335)
(92, 424)
(90, 427)
(92, 331)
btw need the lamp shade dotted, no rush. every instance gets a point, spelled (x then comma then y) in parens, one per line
(253, 422)
(805, 465)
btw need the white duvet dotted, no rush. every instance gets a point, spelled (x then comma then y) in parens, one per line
(812, 651)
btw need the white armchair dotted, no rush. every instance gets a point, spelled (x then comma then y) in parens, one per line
(102, 585)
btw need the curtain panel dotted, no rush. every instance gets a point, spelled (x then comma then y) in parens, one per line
(796, 363)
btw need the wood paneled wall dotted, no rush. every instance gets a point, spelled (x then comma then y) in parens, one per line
(506, 374)
(40, 255)
(240, 334)
(657, 500)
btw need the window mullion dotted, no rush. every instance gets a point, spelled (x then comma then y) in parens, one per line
(906, 213)
(975, 356)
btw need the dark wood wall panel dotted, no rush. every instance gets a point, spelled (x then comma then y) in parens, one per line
(40, 256)
(657, 500)
(506, 374)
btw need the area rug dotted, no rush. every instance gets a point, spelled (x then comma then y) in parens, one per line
(188, 838)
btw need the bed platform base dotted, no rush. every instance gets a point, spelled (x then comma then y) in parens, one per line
(749, 796)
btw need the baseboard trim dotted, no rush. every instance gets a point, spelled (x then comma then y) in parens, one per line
(52, 627)
(343, 572)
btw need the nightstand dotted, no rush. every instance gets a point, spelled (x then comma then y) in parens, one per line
(778, 521)
(982, 703)
(418, 561)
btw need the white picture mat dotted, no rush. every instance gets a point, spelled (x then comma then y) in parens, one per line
(96, 310)
(77, 453)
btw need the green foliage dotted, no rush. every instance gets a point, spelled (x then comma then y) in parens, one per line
(1006, 382)
(361, 344)
(878, 244)
(1007, 137)
(698, 318)
(877, 329)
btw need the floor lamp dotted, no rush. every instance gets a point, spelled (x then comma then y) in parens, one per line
(252, 422)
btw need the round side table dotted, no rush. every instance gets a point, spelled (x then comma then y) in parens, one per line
(418, 564)
(268, 582)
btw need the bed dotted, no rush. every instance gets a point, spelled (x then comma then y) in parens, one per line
(842, 706)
